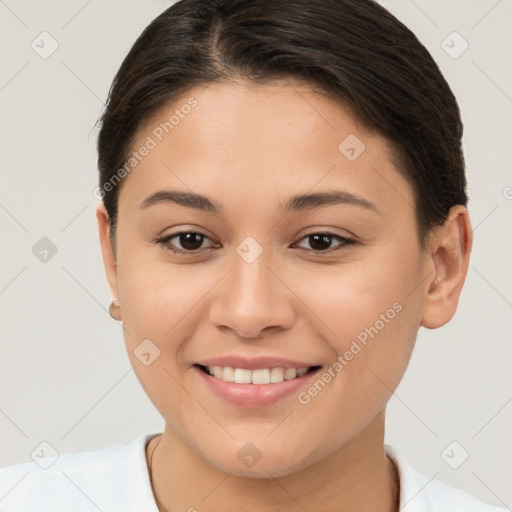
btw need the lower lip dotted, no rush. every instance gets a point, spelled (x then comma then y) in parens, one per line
(254, 395)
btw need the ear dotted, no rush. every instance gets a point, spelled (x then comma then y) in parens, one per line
(448, 259)
(109, 256)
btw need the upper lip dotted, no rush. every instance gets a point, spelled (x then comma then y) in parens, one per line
(254, 363)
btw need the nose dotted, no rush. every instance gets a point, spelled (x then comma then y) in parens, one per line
(253, 298)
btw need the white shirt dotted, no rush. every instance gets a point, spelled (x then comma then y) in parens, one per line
(116, 479)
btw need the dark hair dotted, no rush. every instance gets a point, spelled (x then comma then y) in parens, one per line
(355, 51)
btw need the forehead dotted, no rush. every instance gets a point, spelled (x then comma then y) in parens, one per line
(271, 139)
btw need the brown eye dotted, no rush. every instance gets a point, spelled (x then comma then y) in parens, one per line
(321, 242)
(186, 241)
(191, 241)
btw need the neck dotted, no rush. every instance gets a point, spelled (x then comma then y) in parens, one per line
(357, 475)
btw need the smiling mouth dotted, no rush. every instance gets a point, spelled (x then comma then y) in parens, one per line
(258, 376)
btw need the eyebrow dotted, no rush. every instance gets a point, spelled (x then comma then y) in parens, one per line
(190, 199)
(295, 203)
(310, 201)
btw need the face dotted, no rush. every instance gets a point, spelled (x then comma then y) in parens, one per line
(256, 275)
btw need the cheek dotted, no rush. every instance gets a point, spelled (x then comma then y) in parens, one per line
(369, 318)
(155, 294)
(162, 302)
(369, 355)
(361, 299)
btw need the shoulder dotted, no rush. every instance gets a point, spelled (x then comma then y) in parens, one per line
(419, 493)
(112, 478)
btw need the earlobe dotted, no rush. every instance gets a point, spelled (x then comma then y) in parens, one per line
(109, 258)
(449, 252)
(114, 310)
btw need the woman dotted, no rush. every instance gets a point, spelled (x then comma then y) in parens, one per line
(283, 207)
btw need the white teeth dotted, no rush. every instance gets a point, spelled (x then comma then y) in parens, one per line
(242, 376)
(276, 375)
(228, 374)
(260, 376)
(290, 373)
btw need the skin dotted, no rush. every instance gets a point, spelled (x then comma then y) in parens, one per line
(249, 147)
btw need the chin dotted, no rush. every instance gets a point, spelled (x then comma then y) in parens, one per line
(251, 462)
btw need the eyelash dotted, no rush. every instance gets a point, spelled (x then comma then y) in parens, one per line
(164, 241)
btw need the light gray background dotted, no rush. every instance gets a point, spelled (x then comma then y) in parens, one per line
(64, 375)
